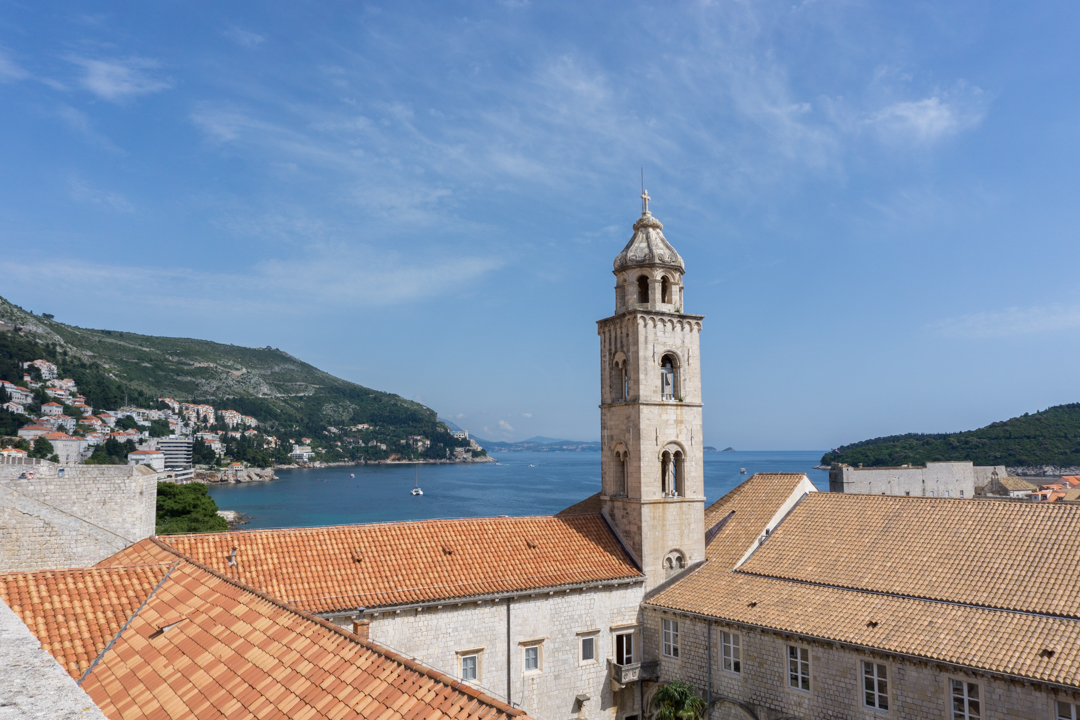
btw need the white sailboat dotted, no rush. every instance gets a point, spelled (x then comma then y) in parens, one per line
(416, 487)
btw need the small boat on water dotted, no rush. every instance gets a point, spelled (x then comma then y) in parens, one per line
(415, 486)
(742, 471)
(352, 475)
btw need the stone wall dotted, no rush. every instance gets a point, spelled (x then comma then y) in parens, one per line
(916, 690)
(439, 635)
(936, 479)
(72, 516)
(33, 686)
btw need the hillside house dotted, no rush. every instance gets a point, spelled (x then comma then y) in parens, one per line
(52, 409)
(151, 458)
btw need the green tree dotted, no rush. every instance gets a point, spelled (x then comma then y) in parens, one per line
(160, 428)
(42, 449)
(187, 509)
(678, 701)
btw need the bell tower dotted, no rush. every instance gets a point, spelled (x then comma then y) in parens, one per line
(650, 413)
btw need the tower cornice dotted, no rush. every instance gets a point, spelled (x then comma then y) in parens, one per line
(652, 313)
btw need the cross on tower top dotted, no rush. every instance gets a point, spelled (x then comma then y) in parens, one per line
(645, 202)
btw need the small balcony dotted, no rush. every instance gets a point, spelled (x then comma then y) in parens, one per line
(632, 672)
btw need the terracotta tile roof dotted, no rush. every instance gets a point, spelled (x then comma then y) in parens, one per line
(588, 506)
(1014, 483)
(753, 503)
(979, 583)
(144, 552)
(204, 646)
(330, 569)
(994, 640)
(936, 548)
(75, 613)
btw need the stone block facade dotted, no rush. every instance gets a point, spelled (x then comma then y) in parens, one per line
(441, 635)
(914, 689)
(72, 516)
(936, 479)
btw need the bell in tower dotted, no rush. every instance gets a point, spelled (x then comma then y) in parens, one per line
(653, 490)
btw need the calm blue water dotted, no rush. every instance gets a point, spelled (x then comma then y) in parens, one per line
(519, 484)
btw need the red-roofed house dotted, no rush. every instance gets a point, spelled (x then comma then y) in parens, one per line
(31, 432)
(68, 448)
(53, 409)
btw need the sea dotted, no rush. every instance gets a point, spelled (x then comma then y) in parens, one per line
(519, 483)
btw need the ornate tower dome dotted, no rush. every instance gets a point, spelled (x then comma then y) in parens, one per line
(648, 246)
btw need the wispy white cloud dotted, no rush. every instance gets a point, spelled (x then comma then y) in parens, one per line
(505, 426)
(526, 415)
(1011, 322)
(929, 119)
(9, 69)
(83, 192)
(244, 38)
(79, 122)
(322, 277)
(119, 79)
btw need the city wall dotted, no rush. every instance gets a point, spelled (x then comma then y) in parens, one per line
(72, 516)
(936, 479)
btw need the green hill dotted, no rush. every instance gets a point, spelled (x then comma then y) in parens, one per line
(289, 397)
(1049, 437)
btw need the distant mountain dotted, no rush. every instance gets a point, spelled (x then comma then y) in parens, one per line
(1049, 437)
(285, 394)
(539, 444)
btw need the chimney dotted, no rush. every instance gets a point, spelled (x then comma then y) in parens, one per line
(362, 628)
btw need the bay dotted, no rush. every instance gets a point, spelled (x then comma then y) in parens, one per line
(518, 484)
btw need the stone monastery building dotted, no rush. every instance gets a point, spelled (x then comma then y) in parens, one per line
(776, 602)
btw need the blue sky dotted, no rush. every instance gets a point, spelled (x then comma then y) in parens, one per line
(876, 202)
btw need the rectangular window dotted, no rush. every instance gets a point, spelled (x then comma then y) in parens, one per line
(798, 667)
(588, 649)
(532, 658)
(468, 667)
(875, 685)
(624, 649)
(1066, 711)
(731, 651)
(965, 700)
(670, 632)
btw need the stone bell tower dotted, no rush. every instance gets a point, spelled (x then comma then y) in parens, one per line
(650, 413)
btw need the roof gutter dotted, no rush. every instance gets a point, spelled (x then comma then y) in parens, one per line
(490, 597)
(869, 649)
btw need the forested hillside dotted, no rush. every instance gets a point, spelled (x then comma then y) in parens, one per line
(287, 396)
(1049, 437)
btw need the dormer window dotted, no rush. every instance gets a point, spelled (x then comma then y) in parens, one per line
(643, 289)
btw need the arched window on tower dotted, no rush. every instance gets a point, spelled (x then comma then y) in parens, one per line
(674, 563)
(620, 379)
(668, 387)
(677, 482)
(665, 474)
(643, 289)
(665, 290)
(619, 484)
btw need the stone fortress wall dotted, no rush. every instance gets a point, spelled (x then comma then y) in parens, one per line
(440, 634)
(935, 479)
(72, 516)
(916, 690)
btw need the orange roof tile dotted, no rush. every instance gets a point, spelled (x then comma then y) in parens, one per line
(205, 646)
(75, 613)
(935, 548)
(744, 512)
(329, 569)
(994, 640)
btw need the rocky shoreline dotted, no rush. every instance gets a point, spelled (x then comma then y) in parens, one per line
(235, 476)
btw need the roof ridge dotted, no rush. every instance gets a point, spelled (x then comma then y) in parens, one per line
(127, 622)
(411, 663)
(315, 528)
